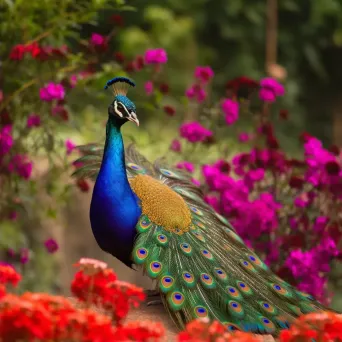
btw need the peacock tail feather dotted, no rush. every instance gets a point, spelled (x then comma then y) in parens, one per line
(202, 268)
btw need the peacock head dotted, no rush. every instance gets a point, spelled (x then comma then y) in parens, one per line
(122, 107)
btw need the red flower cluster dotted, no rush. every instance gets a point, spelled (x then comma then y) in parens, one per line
(42, 53)
(97, 284)
(323, 326)
(43, 317)
(8, 275)
(202, 330)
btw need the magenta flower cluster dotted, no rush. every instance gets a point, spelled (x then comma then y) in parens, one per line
(270, 89)
(194, 132)
(155, 56)
(52, 91)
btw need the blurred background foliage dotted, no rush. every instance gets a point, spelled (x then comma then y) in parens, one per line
(230, 36)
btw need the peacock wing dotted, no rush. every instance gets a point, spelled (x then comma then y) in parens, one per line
(207, 271)
(88, 165)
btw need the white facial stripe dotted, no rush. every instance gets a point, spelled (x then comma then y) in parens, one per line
(116, 109)
(125, 108)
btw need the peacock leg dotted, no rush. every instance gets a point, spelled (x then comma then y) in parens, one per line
(153, 294)
(154, 302)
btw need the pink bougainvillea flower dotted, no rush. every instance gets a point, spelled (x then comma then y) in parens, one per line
(24, 256)
(185, 165)
(175, 145)
(52, 91)
(60, 111)
(148, 87)
(155, 56)
(194, 132)
(244, 137)
(21, 165)
(197, 93)
(97, 39)
(231, 111)
(6, 139)
(270, 89)
(70, 146)
(204, 74)
(33, 121)
(73, 81)
(51, 245)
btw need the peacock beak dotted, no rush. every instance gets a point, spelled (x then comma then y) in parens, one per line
(133, 117)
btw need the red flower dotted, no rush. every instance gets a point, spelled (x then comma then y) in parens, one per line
(164, 88)
(169, 110)
(117, 19)
(332, 167)
(17, 53)
(321, 326)
(201, 330)
(296, 182)
(130, 67)
(242, 82)
(334, 150)
(140, 331)
(8, 275)
(119, 57)
(33, 49)
(305, 136)
(284, 114)
(83, 185)
(139, 62)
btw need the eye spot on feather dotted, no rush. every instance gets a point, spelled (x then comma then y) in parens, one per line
(235, 308)
(166, 283)
(136, 168)
(196, 211)
(233, 292)
(162, 239)
(143, 224)
(188, 279)
(269, 308)
(244, 288)
(200, 311)
(231, 326)
(281, 290)
(140, 255)
(220, 274)
(154, 268)
(199, 224)
(207, 281)
(207, 254)
(199, 236)
(171, 174)
(233, 235)
(176, 300)
(186, 248)
(305, 295)
(268, 325)
(163, 206)
(246, 265)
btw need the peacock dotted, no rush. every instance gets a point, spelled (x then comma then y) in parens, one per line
(153, 216)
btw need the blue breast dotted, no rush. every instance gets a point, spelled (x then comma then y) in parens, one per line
(114, 210)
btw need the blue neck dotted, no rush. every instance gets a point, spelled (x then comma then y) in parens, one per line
(114, 152)
(114, 210)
